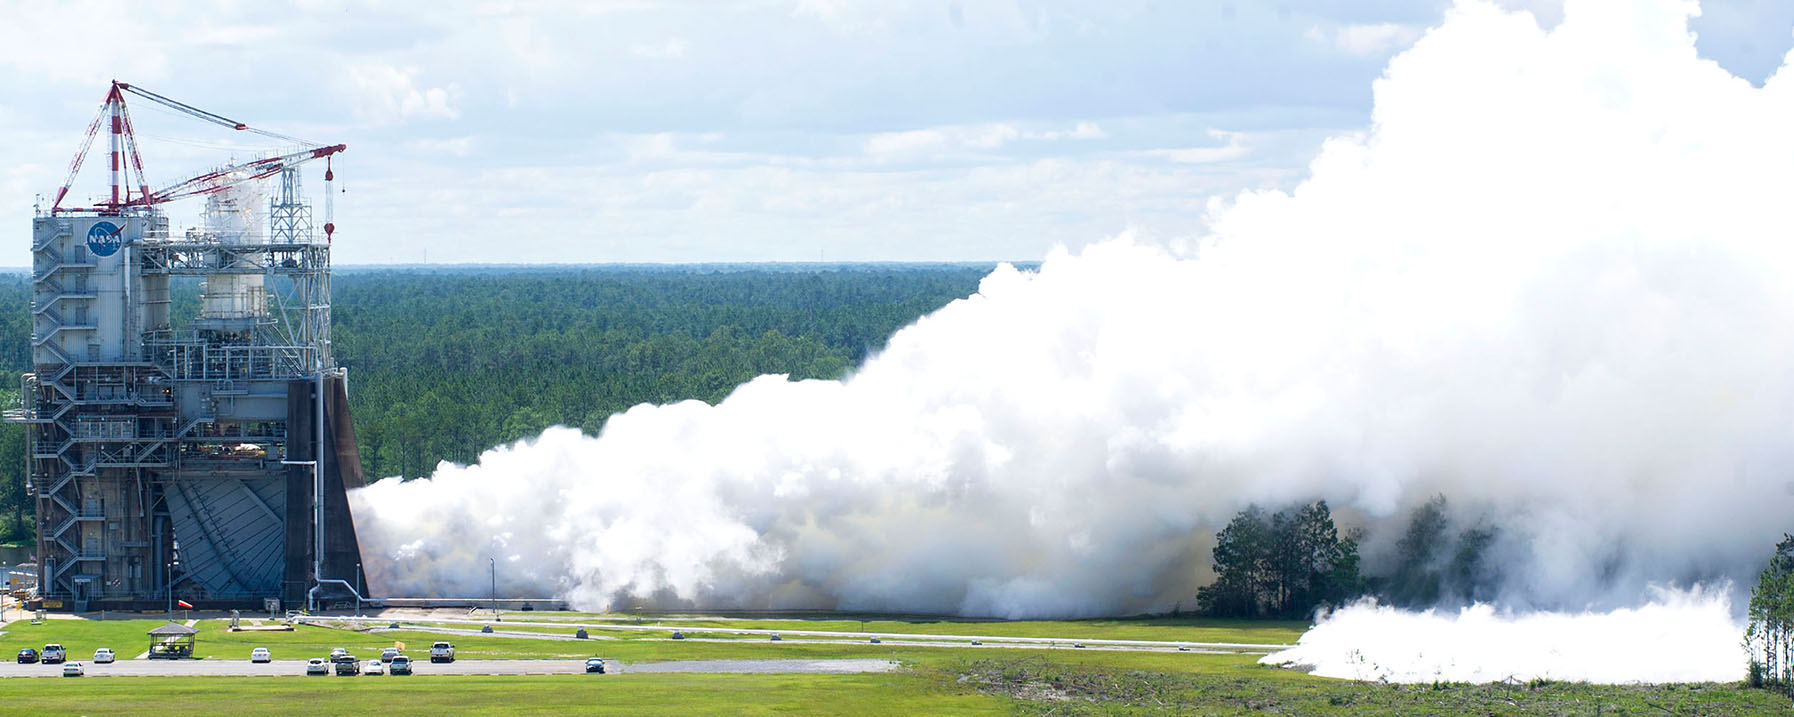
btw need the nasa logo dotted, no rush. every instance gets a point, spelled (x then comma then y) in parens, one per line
(103, 239)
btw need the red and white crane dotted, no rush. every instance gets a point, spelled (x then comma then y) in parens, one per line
(124, 146)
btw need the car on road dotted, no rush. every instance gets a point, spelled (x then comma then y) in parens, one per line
(401, 665)
(27, 656)
(442, 652)
(387, 654)
(336, 652)
(317, 666)
(54, 653)
(375, 667)
(677, 635)
(103, 656)
(73, 669)
(595, 664)
(347, 665)
(260, 654)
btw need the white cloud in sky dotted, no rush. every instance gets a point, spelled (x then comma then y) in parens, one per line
(939, 141)
(391, 95)
(1366, 40)
(455, 147)
(1234, 145)
(672, 49)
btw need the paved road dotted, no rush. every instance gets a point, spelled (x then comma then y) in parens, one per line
(909, 638)
(296, 668)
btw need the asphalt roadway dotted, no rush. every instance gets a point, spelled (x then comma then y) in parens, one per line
(296, 668)
(830, 636)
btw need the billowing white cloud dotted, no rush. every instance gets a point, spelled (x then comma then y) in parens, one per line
(1549, 281)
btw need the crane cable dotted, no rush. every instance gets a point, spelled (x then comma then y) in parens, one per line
(216, 119)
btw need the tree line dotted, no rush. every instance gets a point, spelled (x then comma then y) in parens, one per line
(1769, 637)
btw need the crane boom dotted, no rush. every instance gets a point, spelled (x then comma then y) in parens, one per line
(219, 179)
(125, 156)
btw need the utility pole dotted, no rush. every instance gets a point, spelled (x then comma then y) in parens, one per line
(494, 561)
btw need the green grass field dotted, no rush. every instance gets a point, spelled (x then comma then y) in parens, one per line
(901, 694)
(956, 680)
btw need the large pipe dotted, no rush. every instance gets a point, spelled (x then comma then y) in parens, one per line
(311, 596)
(317, 476)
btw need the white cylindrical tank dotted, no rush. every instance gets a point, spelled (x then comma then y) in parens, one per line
(236, 216)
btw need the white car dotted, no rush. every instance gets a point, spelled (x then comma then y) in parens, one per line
(317, 666)
(374, 667)
(72, 669)
(260, 654)
(103, 656)
(336, 652)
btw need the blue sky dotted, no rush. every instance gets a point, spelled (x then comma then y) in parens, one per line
(792, 130)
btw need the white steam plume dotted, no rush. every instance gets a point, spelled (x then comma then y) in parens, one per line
(1678, 636)
(1554, 282)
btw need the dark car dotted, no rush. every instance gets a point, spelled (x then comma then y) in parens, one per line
(27, 656)
(595, 664)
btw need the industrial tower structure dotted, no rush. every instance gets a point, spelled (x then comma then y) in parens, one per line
(205, 457)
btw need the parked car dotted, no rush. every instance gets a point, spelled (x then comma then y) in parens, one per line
(73, 669)
(374, 667)
(347, 665)
(387, 654)
(401, 665)
(595, 664)
(103, 656)
(317, 666)
(337, 652)
(27, 656)
(54, 653)
(260, 654)
(442, 652)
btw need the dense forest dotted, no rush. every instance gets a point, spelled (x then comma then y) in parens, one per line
(445, 363)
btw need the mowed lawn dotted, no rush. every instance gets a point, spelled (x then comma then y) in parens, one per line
(884, 694)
